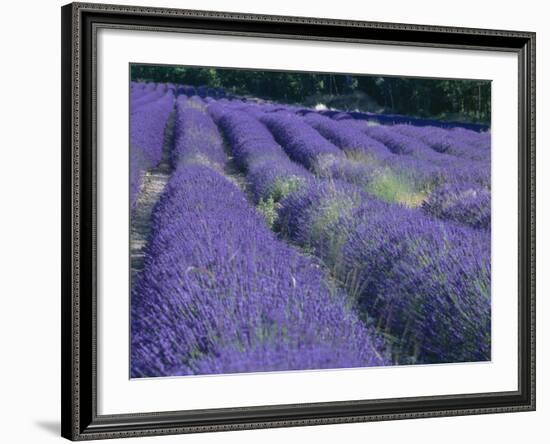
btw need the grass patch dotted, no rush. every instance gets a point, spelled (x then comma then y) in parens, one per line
(268, 209)
(391, 187)
(325, 231)
(361, 156)
(195, 104)
(283, 187)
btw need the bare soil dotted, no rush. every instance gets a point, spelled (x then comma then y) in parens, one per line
(153, 185)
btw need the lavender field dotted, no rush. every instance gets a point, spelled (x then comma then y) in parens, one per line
(272, 237)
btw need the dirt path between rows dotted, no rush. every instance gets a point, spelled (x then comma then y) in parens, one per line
(153, 185)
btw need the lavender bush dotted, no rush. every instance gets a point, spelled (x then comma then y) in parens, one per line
(270, 172)
(444, 141)
(349, 138)
(467, 203)
(400, 265)
(220, 293)
(149, 94)
(302, 143)
(196, 137)
(147, 126)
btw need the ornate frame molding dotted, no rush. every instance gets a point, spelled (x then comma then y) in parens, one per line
(79, 413)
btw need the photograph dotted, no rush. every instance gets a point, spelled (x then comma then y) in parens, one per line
(293, 220)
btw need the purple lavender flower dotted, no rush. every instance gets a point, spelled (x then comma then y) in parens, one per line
(220, 293)
(196, 137)
(348, 137)
(147, 137)
(426, 282)
(480, 140)
(444, 141)
(448, 168)
(302, 143)
(466, 203)
(270, 172)
(400, 266)
(151, 94)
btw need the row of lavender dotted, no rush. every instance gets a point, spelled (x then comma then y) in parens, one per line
(425, 282)
(446, 172)
(150, 109)
(219, 292)
(398, 119)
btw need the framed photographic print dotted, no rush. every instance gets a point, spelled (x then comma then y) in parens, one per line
(280, 221)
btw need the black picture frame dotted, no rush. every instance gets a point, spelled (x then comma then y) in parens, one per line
(80, 22)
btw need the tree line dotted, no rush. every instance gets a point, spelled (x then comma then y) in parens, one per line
(453, 99)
